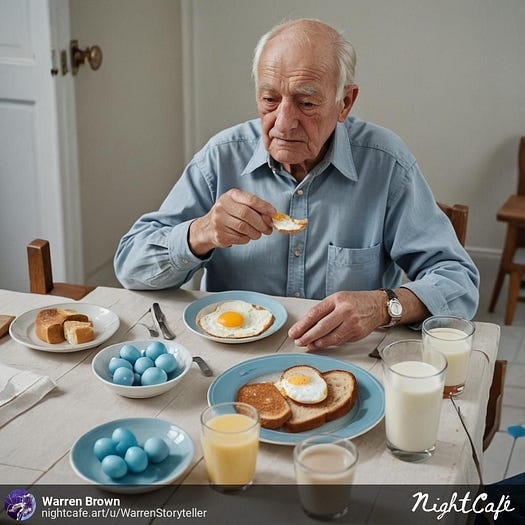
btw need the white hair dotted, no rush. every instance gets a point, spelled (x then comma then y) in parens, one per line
(344, 51)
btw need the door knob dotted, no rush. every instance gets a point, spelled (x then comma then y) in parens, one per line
(92, 55)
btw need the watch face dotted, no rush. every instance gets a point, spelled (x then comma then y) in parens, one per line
(395, 309)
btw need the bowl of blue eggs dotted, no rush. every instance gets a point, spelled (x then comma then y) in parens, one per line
(141, 369)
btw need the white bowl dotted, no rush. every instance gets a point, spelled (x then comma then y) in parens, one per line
(101, 361)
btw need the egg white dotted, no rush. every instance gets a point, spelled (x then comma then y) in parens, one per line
(313, 392)
(256, 319)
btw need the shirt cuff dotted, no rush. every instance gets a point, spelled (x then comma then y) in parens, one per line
(181, 256)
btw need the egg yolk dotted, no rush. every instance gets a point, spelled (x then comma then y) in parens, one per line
(298, 379)
(230, 319)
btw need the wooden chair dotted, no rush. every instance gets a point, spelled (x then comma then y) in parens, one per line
(41, 274)
(513, 256)
(458, 215)
(493, 417)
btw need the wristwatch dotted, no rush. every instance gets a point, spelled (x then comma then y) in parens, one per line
(394, 307)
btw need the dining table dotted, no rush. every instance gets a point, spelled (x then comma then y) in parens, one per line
(35, 442)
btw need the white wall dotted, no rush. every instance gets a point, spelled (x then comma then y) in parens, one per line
(447, 76)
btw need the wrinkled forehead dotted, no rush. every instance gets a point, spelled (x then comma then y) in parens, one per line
(295, 51)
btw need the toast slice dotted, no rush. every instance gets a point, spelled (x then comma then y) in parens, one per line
(78, 332)
(266, 398)
(49, 323)
(285, 224)
(342, 394)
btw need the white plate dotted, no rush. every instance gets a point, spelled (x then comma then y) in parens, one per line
(105, 324)
(209, 303)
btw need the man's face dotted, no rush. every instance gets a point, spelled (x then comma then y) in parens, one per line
(296, 102)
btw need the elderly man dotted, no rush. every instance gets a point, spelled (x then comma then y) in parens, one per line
(371, 215)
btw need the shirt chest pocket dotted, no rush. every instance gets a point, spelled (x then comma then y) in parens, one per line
(353, 268)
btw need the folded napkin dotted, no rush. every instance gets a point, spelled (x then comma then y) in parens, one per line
(19, 391)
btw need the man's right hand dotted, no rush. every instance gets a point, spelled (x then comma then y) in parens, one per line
(236, 218)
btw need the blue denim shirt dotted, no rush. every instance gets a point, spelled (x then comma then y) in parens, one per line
(371, 215)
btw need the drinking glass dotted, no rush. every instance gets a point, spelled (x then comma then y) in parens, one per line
(230, 441)
(453, 337)
(414, 379)
(324, 469)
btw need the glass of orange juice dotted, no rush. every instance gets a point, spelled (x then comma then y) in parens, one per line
(230, 441)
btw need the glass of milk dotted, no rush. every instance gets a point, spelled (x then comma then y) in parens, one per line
(324, 469)
(453, 337)
(413, 379)
(230, 442)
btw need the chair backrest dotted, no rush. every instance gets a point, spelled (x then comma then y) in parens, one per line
(521, 167)
(458, 215)
(41, 274)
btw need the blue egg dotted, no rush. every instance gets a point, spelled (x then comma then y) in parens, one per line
(114, 466)
(156, 449)
(117, 362)
(123, 376)
(104, 447)
(167, 362)
(136, 379)
(156, 348)
(142, 364)
(153, 376)
(136, 459)
(124, 439)
(130, 353)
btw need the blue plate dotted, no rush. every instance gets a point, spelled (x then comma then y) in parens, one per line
(367, 412)
(88, 467)
(277, 309)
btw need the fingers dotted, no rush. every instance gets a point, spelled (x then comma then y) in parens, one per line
(239, 217)
(340, 318)
(252, 213)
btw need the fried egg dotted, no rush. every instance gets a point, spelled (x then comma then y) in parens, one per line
(303, 384)
(285, 224)
(235, 319)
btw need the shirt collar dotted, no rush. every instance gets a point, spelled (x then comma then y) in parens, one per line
(339, 155)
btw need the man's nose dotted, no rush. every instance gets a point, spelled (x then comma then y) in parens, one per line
(287, 118)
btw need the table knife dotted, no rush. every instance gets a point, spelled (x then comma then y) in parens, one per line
(160, 321)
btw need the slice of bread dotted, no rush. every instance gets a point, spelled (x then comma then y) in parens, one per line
(49, 323)
(342, 394)
(266, 398)
(78, 332)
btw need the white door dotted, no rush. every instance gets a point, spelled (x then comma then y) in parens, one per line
(38, 174)
(82, 157)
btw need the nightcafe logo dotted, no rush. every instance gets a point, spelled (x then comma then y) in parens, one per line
(20, 504)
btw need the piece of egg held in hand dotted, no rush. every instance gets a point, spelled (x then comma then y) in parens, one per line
(303, 384)
(285, 224)
(235, 319)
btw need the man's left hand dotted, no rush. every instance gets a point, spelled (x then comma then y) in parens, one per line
(340, 318)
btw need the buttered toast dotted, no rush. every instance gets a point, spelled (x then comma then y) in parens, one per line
(273, 409)
(342, 394)
(276, 410)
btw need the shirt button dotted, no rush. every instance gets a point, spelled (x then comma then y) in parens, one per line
(185, 261)
(300, 192)
(297, 294)
(297, 253)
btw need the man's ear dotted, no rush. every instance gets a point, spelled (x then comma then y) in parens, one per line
(350, 96)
